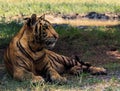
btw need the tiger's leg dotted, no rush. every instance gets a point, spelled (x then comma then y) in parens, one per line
(21, 74)
(54, 75)
(87, 67)
(97, 70)
(75, 70)
(45, 67)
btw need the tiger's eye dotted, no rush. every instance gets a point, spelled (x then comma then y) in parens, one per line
(44, 34)
(46, 26)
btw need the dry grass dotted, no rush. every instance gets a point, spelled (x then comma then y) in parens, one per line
(81, 22)
(86, 22)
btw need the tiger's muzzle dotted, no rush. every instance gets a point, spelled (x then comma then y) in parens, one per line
(50, 43)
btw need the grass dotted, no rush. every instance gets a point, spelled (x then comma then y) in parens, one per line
(91, 36)
(8, 30)
(26, 7)
(77, 39)
(83, 82)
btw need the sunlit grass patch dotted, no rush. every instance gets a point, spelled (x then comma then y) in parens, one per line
(26, 7)
(81, 82)
(86, 22)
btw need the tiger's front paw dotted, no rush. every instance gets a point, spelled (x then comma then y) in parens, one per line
(38, 80)
(58, 79)
(76, 70)
(97, 71)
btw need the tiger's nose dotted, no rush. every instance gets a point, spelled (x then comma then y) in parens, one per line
(51, 41)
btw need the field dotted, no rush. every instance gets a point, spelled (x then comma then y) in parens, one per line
(26, 7)
(93, 40)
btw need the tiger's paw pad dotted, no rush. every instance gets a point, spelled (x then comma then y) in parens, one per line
(98, 71)
(37, 80)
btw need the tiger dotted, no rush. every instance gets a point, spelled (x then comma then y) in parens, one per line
(29, 55)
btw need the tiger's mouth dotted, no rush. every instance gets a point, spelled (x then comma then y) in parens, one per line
(50, 43)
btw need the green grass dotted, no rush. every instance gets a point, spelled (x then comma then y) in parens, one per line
(112, 66)
(8, 30)
(76, 38)
(83, 82)
(78, 82)
(27, 7)
(89, 37)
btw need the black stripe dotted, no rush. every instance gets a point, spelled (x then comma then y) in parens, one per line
(76, 62)
(67, 61)
(40, 31)
(45, 68)
(34, 51)
(31, 49)
(38, 60)
(23, 51)
(57, 59)
(52, 61)
(23, 60)
(51, 64)
(8, 55)
(64, 60)
(72, 62)
(36, 30)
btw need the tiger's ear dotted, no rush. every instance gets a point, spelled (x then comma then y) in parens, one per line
(31, 21)
(33, 18)
(42, 17)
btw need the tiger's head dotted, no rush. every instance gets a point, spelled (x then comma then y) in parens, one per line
(41, 31)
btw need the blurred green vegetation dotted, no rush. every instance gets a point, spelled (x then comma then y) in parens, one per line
(26, 7)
